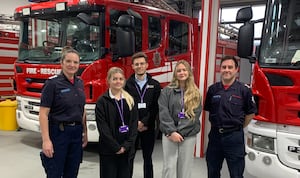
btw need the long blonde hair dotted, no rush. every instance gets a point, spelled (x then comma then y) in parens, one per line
(192, 97)
(125, 94)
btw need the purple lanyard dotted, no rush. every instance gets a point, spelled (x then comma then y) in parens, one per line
(120, 109)
(182, 100)
(141, 94)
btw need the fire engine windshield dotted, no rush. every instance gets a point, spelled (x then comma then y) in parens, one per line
(280, 46)
(42, 40)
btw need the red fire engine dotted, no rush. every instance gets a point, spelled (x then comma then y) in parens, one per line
(105, 33)
(273, 141)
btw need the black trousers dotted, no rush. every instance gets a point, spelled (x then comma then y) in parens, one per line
(114, 166)
(146, 140)
(229, 146)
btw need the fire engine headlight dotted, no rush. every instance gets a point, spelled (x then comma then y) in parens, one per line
(90, 115)
(261, 143)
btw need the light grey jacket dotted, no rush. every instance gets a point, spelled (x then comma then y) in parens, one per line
(169, 107)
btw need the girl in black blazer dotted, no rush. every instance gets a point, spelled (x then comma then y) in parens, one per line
(116, 117)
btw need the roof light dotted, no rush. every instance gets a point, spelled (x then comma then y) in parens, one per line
(83, 2)
(60, 6)
(26, 11)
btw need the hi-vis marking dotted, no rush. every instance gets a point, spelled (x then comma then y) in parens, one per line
(167, 72)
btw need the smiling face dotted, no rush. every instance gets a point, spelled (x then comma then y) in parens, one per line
(228, 71)
(70, 65)
(116, 81)
(139, 66)
(181, 73)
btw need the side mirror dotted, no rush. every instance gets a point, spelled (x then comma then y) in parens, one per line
(125, 37)
(246, 33)
(245, 40)
(244, 15)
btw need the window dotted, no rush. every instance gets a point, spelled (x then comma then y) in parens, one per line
(178, 37)
(154, 36)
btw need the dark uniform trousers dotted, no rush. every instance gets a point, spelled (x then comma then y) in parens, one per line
(114, 166)
(147, 141)
(229, 146)
(67, 144)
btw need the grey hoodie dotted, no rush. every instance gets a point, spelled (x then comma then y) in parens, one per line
(169, 107)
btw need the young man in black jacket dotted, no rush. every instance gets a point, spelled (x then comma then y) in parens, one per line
(145, 91)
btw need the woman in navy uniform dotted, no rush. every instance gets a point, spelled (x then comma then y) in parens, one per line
(62, 119)
(231, 107)
(179, 112)
(116, 117)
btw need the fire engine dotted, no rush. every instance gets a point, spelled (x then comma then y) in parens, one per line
(273, 139)
(105, 33)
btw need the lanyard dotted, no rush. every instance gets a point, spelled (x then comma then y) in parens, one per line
(182, 100)
(143, 92)
(120, 109)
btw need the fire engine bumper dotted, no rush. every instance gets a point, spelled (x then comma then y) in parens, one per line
(262, 164)
(34, 125)
(26, 123)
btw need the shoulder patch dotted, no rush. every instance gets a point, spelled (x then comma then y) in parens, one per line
(52, 77)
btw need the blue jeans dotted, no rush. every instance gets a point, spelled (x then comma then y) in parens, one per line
(230, 146)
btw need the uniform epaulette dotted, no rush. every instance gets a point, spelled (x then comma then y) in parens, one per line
(52, 77)
(246, 85)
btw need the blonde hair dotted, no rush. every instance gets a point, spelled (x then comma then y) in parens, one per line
(192, 97)
(125, 94)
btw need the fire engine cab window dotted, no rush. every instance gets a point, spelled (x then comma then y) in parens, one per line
(154, 32)
(178, 37)
(282, 42)
(114, 16)
(42, 40)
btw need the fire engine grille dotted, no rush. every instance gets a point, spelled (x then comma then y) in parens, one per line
(35, 90)
(33, 81)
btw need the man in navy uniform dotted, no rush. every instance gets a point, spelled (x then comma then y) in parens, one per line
(231, 107)
(145, 91)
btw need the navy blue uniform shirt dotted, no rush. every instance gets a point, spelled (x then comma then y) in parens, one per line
(228, 107)
(65, 99)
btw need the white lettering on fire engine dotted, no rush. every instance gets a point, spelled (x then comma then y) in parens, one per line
(49, 71)
(31, 70)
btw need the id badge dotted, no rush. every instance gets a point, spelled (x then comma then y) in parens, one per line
(123, 129)
(141, 105)
(181, 115)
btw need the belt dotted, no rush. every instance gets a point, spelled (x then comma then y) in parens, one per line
(223, 130)
(66, 123)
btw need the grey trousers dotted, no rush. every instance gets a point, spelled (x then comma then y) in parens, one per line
(178, 157)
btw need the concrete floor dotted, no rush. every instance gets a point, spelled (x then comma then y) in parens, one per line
(19, 155)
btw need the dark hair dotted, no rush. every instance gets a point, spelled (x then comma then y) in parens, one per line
(66, 50)
(234, 58)
(138, 55)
